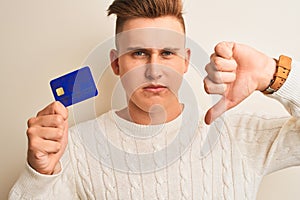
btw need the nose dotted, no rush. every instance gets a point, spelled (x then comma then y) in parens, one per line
(153, 69)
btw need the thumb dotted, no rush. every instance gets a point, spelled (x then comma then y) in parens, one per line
(216, 111)
(225, 49)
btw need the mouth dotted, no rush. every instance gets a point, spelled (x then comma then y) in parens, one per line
(154, 88)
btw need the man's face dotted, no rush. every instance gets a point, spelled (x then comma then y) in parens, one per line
(151, 59)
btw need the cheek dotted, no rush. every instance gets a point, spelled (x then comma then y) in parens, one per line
(126, 64)
(178, 64)
(174, 82)
(132, 79)
(181, 66)
(174, 75)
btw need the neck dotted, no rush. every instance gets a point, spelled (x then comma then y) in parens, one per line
(157, 114)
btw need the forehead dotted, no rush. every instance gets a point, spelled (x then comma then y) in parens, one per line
(163, 32)
(165, 22)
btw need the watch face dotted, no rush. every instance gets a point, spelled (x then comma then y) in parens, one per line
(269, 90)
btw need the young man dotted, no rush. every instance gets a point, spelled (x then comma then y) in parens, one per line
(133, 162)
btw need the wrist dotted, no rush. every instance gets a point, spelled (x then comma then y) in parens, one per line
(282, 69)
(270, 70)
(57, 169)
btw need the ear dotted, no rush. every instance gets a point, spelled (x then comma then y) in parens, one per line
(187, 59)
(114, 61)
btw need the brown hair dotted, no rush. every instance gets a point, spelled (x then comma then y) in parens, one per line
(128, 9)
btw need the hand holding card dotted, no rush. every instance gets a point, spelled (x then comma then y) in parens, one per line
(74, 87)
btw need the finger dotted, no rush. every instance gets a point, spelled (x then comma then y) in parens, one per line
(220, 77)
(51, 146)
(46, 133)
(55, 108)
(45, 146)
(65, 133)
(222, 64)
(216, 111)
(56, 121)
(213, 88)
(225, 49)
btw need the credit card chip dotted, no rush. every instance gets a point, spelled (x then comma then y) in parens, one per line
(60, 91)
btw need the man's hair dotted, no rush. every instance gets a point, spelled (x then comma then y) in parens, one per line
(129, 9)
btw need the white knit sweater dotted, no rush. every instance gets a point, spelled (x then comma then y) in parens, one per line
(227, 161)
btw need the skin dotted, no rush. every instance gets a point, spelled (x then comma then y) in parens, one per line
(234, 72)
(47, 138)
(148, 72)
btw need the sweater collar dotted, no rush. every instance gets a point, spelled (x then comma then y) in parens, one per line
(145, 131)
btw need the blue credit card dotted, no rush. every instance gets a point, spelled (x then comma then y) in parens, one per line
(74, 87)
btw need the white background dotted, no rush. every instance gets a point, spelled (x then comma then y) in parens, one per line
(40, 40)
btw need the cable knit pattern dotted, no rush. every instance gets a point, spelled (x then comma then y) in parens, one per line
(83, 170)
(207, 175)
(226, 171)
(247, 179)
(219, 163)
(160, 179)
(183, 172)
(192, 176)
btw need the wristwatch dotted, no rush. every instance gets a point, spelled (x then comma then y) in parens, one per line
(283, 68)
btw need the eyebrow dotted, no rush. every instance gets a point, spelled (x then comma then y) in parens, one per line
(171, 49)
(144, 48)
(134, 48)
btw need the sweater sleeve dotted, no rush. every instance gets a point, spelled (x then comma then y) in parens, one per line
(33, 185)
(289, 93)
(268, 143)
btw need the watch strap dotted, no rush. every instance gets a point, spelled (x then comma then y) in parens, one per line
(283, 68)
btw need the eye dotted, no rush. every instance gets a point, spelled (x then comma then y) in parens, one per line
(167, 53)
(139, 53)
